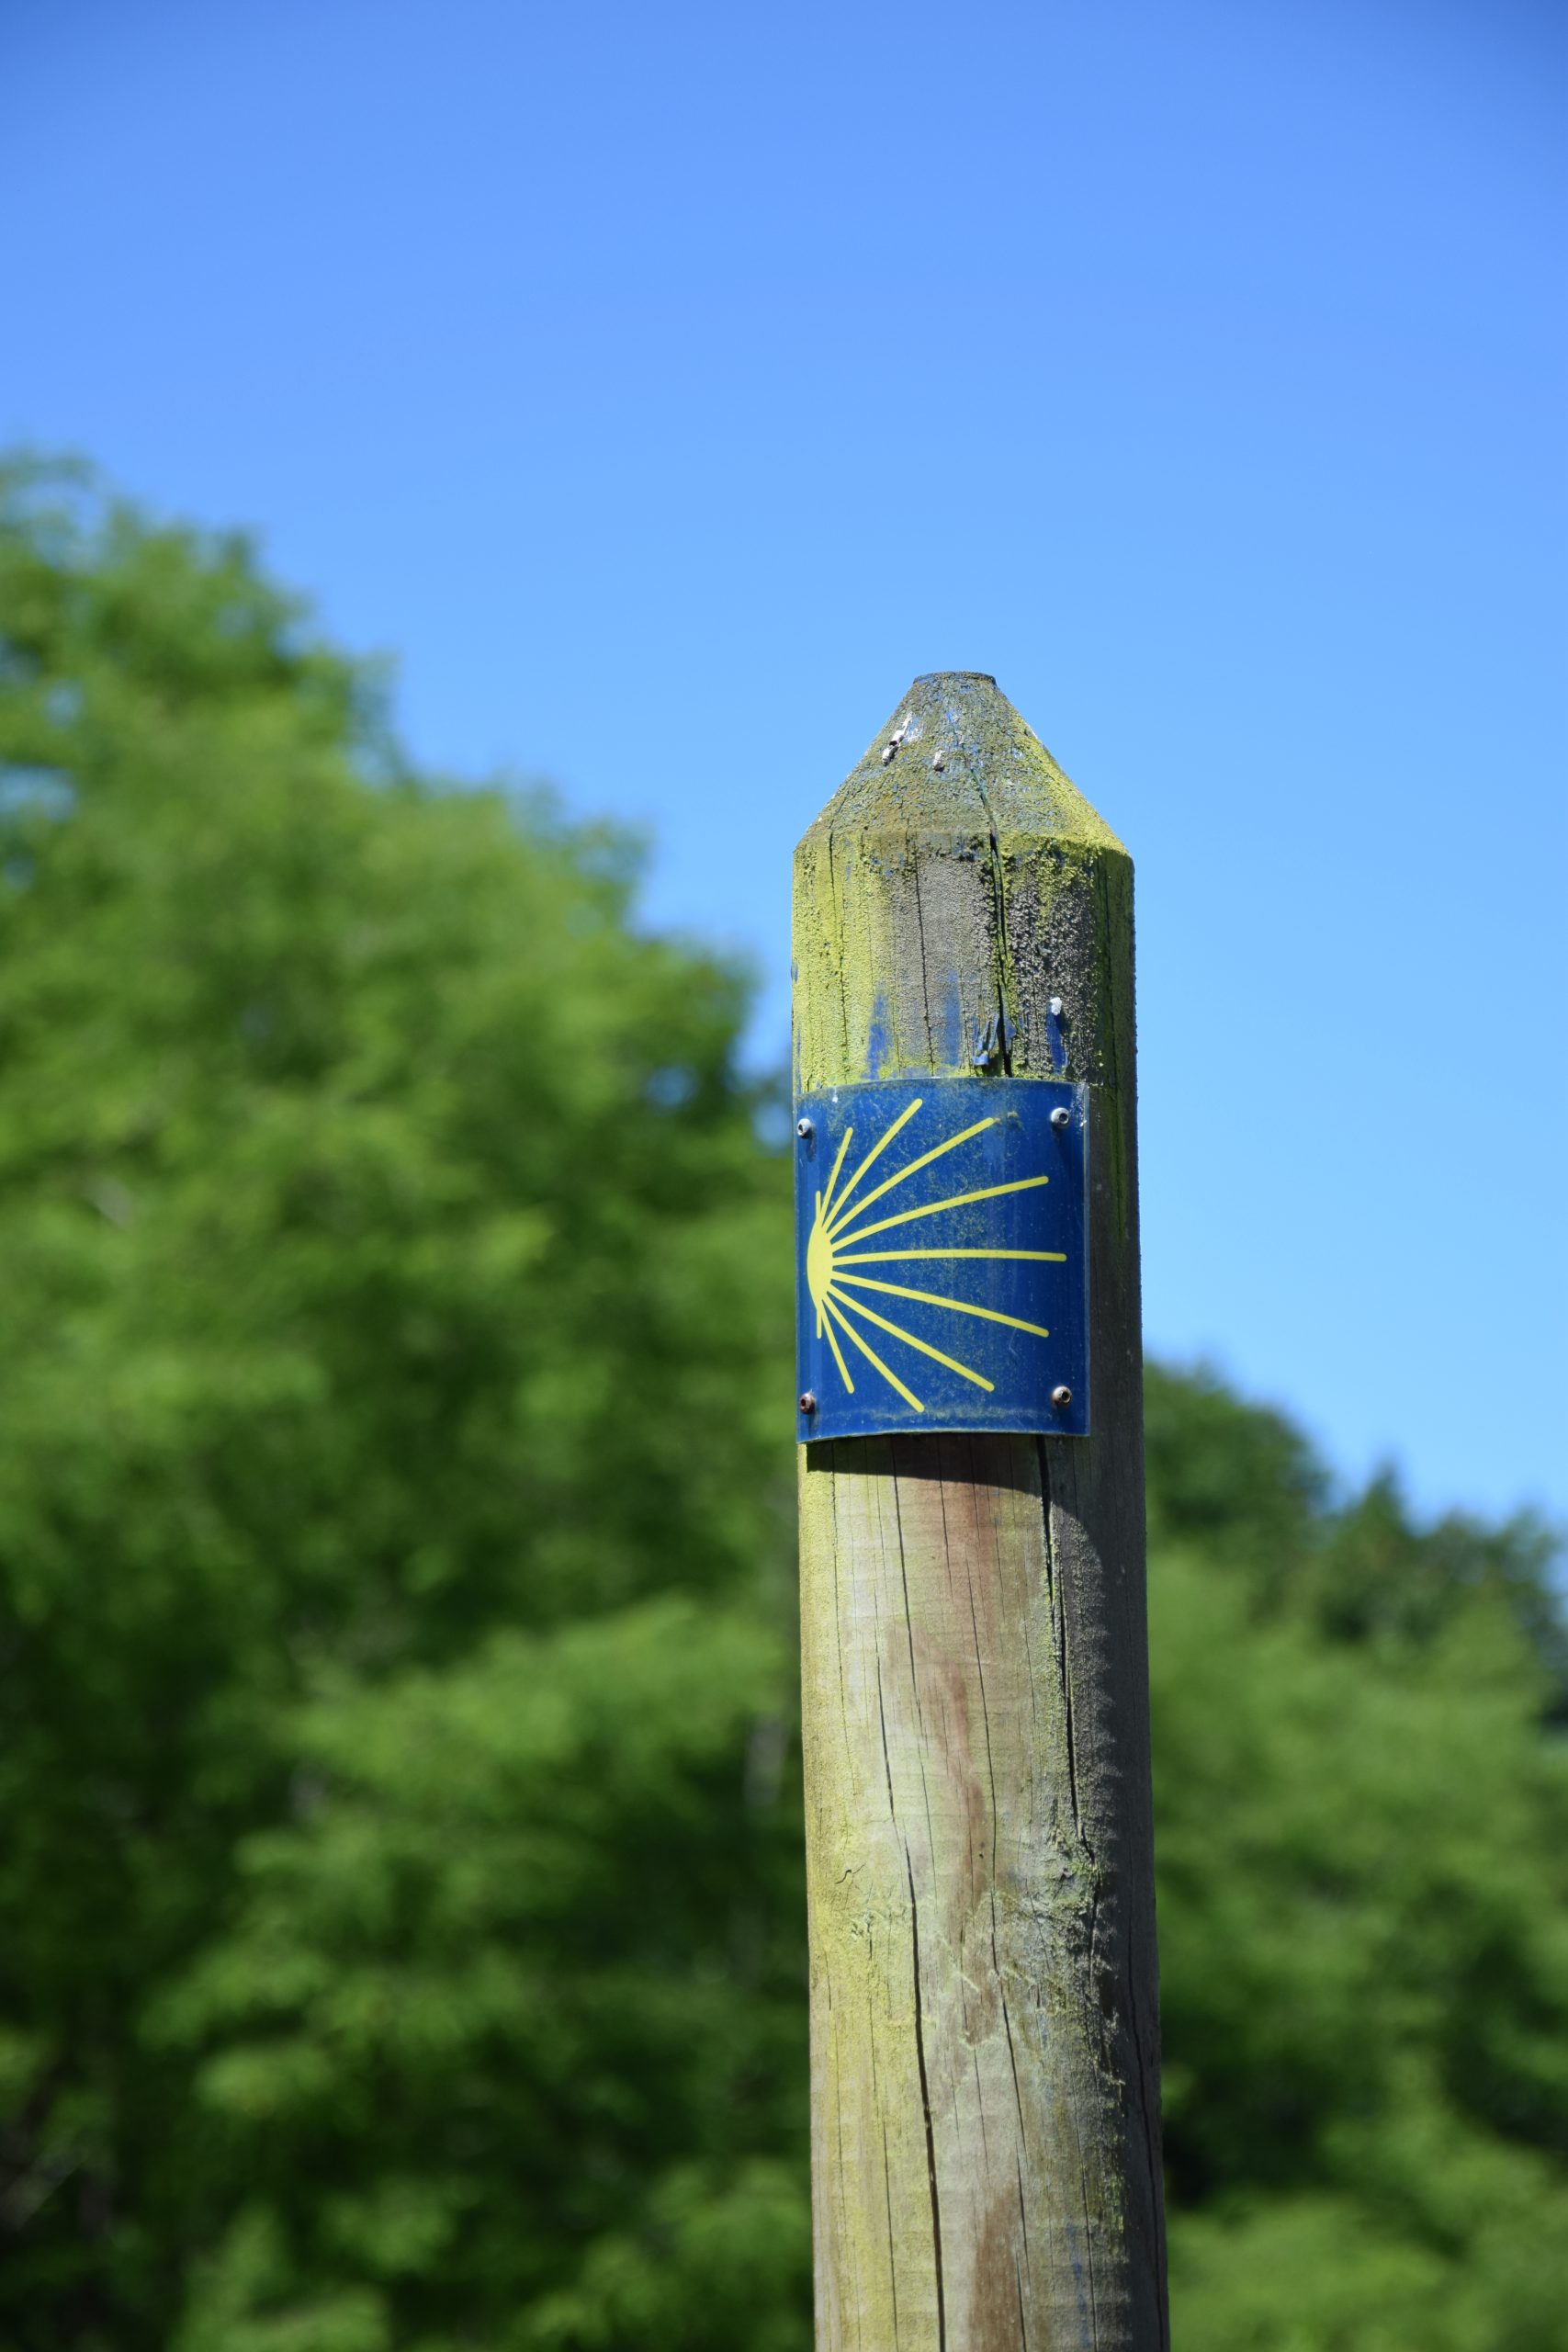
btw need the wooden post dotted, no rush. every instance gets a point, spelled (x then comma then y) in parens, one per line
(984, 2041)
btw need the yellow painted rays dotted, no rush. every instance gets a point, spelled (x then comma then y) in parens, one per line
(833, 1250)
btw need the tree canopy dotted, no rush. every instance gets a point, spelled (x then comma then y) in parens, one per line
(403, 1928)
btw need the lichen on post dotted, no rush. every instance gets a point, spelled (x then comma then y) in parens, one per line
(985, 2045)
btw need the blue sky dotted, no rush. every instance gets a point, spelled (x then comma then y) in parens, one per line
(667, 388)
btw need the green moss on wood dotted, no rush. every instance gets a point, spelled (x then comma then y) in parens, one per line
(958, 873)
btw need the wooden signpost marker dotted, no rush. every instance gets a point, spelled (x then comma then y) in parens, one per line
(985, 2040)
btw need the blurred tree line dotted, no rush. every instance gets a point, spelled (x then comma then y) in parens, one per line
(400, 1869)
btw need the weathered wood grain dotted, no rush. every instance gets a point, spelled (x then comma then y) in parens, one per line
(985, 2047)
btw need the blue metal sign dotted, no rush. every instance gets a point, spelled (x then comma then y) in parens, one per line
(942, 1268)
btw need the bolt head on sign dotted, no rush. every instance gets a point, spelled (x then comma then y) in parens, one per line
(941, 1274)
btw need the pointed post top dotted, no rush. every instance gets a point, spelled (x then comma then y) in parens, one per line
(955, 755)
(957, 877)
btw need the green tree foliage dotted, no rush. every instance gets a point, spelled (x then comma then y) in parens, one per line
(397, 1942)
(402, 1937)
(1362, 1809)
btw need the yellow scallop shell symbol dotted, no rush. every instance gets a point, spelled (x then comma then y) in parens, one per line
(833, 1248)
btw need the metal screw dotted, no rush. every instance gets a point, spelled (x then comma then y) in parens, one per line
(940, 761)
(1061, 1117)
(808, 1401)
(1061, 1397)
(803, 1129)
(1056, 1007)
